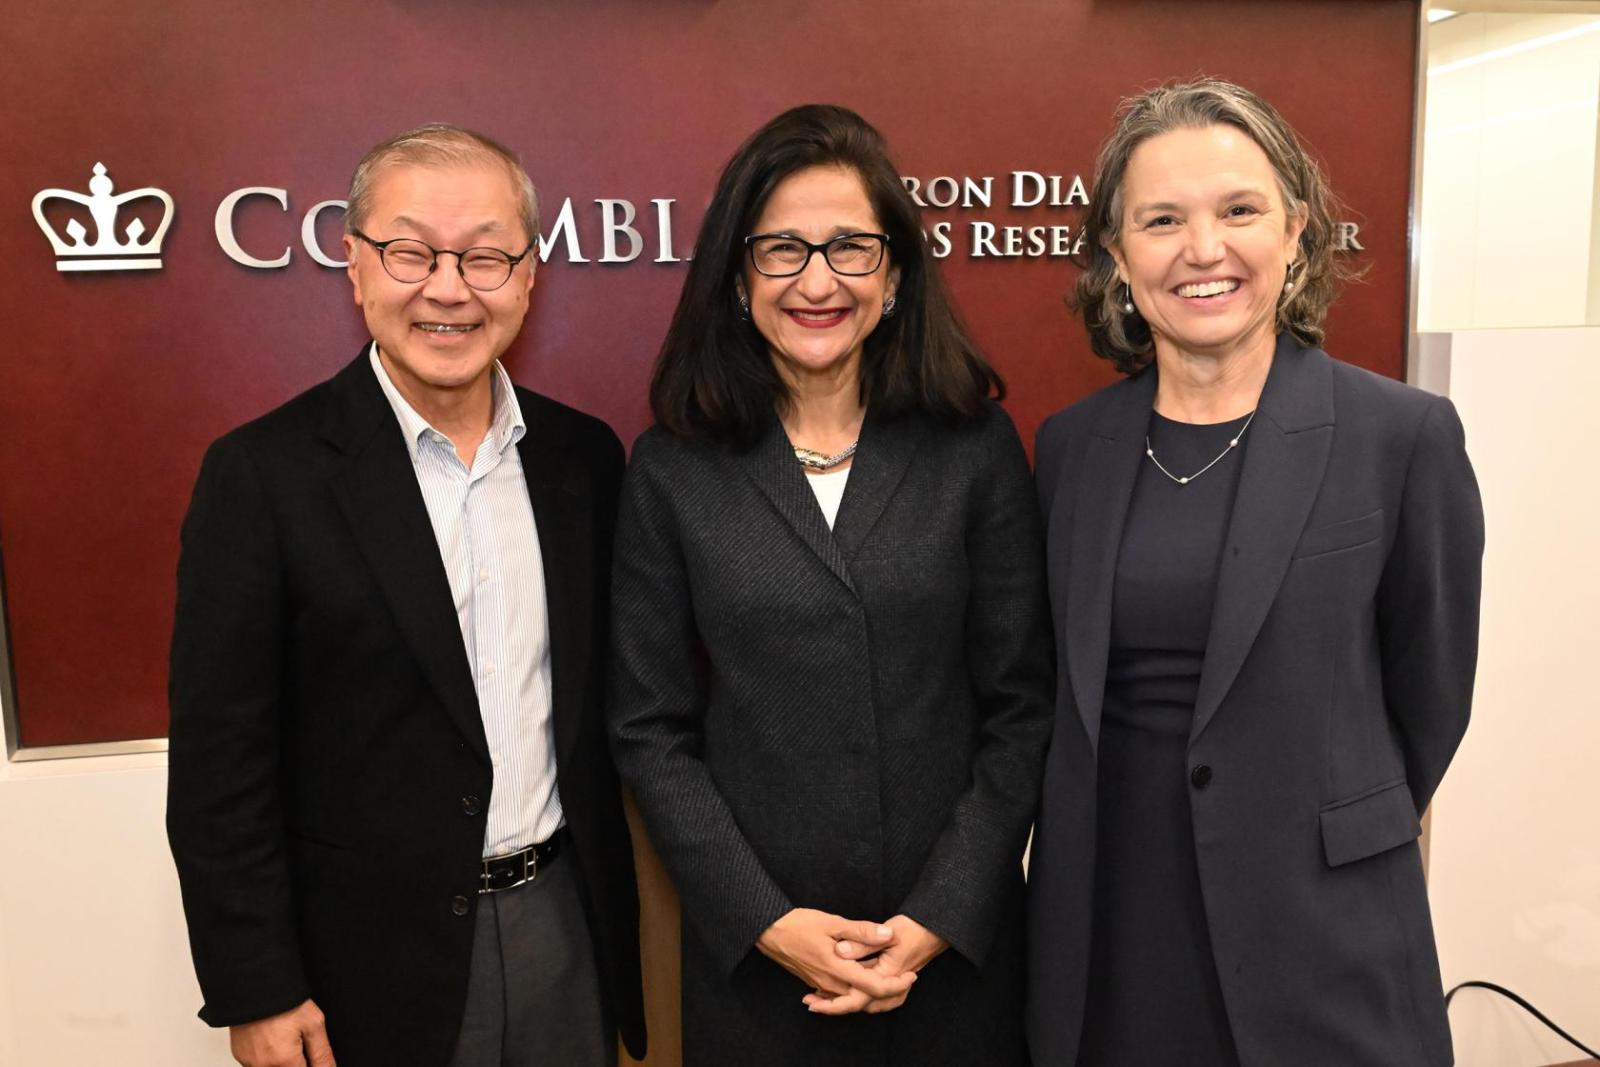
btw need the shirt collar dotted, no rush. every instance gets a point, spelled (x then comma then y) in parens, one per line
(506, 424)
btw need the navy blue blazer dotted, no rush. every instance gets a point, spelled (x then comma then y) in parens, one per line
(1335, 688)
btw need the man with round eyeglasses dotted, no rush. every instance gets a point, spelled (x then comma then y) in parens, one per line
(396, 824)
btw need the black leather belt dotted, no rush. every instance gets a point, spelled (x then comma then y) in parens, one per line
(508, 872)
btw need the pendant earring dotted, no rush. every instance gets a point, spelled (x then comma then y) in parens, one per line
(1288, 278)
(888, 307)
(1127, 299)
(744, 307)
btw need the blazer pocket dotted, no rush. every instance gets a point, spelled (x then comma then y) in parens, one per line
(1349, 533)
(1369, 823)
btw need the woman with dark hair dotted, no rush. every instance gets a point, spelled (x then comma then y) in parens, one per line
(1264, 569)
(831, 675)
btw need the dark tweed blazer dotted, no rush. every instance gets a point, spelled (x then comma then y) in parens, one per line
(851, 720)
(1335, 687)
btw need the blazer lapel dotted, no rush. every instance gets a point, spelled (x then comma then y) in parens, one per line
(1110, 463)
(566, 546)
(378, 492)
(1283, 468)
(887, 447)
(772, 466)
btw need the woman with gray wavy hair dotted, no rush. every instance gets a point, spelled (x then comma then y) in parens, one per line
(1264, 571)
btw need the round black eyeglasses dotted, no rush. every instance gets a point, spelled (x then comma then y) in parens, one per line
(408, 260)
(782, 255)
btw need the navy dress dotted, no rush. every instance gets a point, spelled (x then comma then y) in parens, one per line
(1153, 994)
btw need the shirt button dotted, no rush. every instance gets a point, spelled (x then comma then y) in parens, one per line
(483, 574)
(471, 805)
(460, 905)
(488, 668)
(1200, 777)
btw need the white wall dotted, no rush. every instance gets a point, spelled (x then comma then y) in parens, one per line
(1508, 173)
(94, 961)
(1514, 865)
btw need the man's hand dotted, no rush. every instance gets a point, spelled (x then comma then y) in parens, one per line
(803, 941)
(296, 1038)
(911, 949)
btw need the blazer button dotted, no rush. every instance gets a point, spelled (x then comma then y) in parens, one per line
(1200, 777)
(471, 805)
(460, 905)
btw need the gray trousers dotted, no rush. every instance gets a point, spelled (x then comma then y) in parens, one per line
(533, 998)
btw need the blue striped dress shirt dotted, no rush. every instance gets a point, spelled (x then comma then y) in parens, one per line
(489, 545)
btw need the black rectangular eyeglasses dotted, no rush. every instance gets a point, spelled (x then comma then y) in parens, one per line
(780, 255)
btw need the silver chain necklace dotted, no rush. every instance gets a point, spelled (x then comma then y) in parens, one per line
(1233, 444)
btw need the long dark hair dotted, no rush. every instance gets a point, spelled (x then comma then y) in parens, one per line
(714, 379)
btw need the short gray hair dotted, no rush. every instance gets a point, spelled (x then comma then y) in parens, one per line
(1124, 337)
(439, 144)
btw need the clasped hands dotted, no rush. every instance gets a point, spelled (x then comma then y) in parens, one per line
(851, 965)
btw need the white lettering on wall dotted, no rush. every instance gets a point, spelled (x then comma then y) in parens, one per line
(613, 226)
(1012, 242)
(224, 226)
(625, 239)
(308, 229)
(945, 191)
(1029, 188)
(664, 231)
(566, 228)
(308, 233)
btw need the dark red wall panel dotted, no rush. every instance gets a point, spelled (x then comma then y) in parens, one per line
(112, 384)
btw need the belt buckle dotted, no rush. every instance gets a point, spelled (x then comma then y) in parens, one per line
(530, 864)
(530, 871)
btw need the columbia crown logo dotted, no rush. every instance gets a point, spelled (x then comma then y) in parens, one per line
(132, 250)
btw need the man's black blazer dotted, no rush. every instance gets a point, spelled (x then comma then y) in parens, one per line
(326, 738)
(1335, 687)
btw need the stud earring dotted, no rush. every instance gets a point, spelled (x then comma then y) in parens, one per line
(888, 306)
